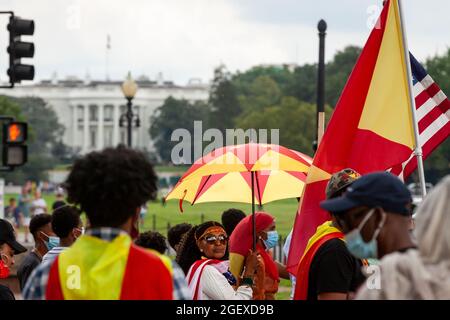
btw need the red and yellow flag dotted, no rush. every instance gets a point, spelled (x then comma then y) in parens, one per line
(371, 128)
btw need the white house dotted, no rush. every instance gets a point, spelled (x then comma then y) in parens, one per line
(90, 110)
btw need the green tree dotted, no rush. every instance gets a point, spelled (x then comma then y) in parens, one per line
(174, 114)
(338, 71)
(44, 134)
(282, 76)
(262, 93)
(438, 67)
(296, 121)
(304, 84)
(223, 100)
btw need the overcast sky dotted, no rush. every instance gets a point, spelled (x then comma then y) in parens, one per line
(186, 39)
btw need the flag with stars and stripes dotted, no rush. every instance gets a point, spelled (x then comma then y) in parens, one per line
(433, 116)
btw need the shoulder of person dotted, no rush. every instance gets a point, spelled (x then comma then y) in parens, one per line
(6, 293)
(212, 271)
(334, 247)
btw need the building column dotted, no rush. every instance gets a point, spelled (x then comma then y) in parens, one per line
(100, 128)
(116, 117)
(74, 126)
(85, 128)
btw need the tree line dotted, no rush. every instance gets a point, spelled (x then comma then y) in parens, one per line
(278, 97)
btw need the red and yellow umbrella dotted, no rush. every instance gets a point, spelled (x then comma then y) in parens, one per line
(249, 173)
(226, 175)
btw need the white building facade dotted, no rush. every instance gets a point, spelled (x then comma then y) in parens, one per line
(90, 110)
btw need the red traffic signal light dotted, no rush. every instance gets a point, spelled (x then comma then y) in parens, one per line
(15, 132)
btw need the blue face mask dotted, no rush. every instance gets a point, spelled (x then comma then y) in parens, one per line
(52, 242)
(272, 239)
(356, 244)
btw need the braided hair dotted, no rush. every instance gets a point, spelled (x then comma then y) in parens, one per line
(189, 252)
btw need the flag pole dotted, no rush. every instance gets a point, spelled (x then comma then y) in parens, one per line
(418, 147)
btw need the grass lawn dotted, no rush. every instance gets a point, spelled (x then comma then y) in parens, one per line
(160, 216)
(283, 210)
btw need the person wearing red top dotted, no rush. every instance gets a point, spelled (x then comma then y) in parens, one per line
(267, 277)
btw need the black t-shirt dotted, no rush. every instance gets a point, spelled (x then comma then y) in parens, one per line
(57, 204)
(334, 269)
(6, 293)
(29, 263)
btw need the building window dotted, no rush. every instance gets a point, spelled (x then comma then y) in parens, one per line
(80, 113)
(122, 136)
(93, 113)
(93, 137)
(108, 112)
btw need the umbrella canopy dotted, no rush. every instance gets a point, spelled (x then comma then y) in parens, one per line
(248, 157)
(225, 175)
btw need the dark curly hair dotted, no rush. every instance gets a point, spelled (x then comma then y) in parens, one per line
(175, 233)
(231, 218)
(64, 220)
(189, 251)
(152, 240)
(110, 185)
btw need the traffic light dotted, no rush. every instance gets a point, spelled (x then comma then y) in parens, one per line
(18, 49)
(14, 150)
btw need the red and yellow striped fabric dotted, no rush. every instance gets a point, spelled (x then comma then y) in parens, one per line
(371, 128)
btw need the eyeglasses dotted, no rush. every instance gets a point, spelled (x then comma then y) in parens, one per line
(212, 239)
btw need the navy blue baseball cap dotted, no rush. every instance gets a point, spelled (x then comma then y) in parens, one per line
(378, 189)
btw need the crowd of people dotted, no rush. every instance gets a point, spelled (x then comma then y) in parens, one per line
(103, 255)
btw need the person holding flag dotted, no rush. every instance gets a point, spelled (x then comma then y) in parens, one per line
(327, 270)
(381, 122)
(375, 215)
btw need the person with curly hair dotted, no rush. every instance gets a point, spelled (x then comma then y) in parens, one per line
(109, 186)
(176, 233)
(231, 218)
(152, 240)
(203, 257)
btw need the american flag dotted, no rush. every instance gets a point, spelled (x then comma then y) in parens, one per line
(433, 116)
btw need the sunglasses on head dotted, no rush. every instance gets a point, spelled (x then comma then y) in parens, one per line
(212, 239)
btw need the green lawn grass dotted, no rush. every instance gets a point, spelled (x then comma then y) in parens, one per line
(160, 216)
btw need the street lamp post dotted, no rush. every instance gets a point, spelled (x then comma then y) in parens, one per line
(129, 89)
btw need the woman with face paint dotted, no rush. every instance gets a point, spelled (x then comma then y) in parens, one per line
(203, 256)
(267, 277)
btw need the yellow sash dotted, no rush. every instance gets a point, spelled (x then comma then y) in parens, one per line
(93, 269)
(321, 231)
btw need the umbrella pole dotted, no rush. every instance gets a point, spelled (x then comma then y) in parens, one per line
(253, 210)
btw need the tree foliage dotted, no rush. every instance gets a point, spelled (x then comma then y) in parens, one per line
(44, 134)
(223, 103)
(277, 97)
(172, 115)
